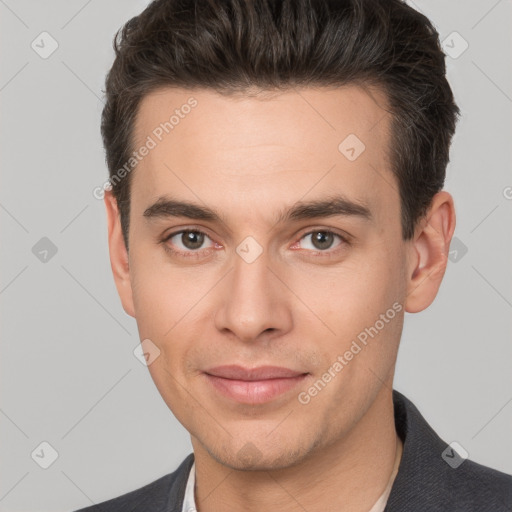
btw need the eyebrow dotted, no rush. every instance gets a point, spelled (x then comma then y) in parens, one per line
(332, 206)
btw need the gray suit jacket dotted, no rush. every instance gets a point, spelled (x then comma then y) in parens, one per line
(431, 477)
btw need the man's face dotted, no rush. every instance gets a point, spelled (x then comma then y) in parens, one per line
(256, 288)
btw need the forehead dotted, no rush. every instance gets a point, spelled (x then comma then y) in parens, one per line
(276, 148)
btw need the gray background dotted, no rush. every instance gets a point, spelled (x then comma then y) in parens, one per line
(68, 373)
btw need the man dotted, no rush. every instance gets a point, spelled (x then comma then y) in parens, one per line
(276, 207)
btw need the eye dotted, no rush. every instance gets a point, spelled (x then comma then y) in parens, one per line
(321, 240)
(187, 241)
(191, 242)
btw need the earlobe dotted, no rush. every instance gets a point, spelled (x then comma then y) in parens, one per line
(428, 256)
(119, 260)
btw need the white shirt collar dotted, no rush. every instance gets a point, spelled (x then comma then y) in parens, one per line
(189, 503)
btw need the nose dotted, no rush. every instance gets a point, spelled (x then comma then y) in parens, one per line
(254, 303)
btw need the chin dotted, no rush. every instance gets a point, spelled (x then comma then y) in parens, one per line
(260, 456)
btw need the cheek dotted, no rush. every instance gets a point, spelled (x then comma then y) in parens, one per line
(350, 299)
(151, 299)
(157, 285)
(156, 297)
(169, 307)
(355, 291)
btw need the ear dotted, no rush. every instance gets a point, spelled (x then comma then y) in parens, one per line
(428, 253)
(118, 254)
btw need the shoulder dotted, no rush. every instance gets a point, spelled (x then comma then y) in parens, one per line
(478, 488)
(434, 477)
(162, 495)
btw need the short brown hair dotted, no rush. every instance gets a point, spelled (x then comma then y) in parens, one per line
(238, 45)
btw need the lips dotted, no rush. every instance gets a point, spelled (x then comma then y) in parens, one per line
(253, 385)
(235, 372)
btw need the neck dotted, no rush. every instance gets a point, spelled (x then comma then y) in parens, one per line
(350, 474)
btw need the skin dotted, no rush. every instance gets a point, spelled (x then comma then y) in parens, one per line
(250, 159)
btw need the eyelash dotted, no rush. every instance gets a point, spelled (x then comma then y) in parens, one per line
(200, 252)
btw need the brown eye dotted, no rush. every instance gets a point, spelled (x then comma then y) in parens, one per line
(188, 241)
(320, 240)
(192, 239)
